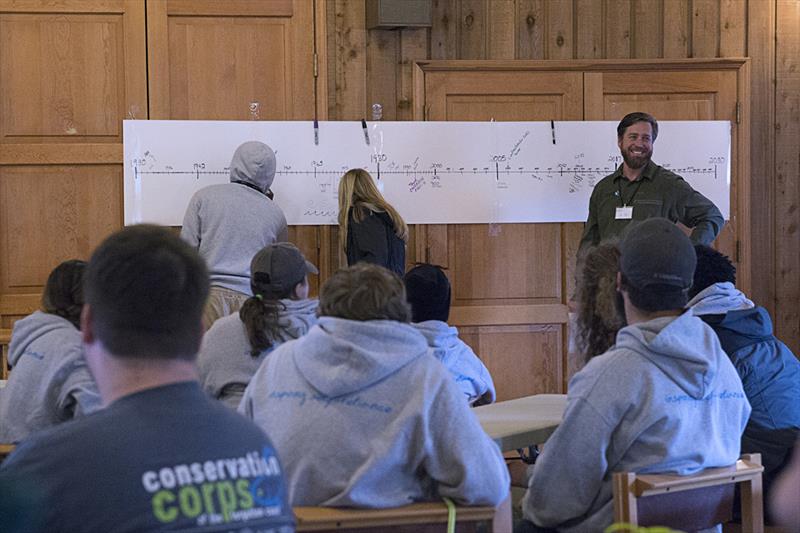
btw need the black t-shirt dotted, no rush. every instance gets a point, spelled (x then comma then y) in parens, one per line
(164, 459)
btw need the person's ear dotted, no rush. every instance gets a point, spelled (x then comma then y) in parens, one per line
(87, 331)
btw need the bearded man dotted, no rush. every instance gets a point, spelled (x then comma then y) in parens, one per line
(639, 189)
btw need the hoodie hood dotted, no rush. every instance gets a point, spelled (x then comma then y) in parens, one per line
(718, 299)
(442, 338)
(253, 162)
(298, 317)
(744, 327)
(341, 356)
(33, 327)
(684, 348)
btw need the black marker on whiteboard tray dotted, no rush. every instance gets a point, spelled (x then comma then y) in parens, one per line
(553, 131)
(316, 132)
(366, 133)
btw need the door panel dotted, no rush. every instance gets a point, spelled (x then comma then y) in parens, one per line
(504, 274)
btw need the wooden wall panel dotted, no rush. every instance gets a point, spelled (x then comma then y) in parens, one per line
(705, 28)
(444, 36)
(497, 346)
(677, 28)
(617, 19)
(787, 170)
(762, 153)
(648, 28)
(65, 210)
(531, 29)
(560, 33)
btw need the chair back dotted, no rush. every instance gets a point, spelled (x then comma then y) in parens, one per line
(693, 502)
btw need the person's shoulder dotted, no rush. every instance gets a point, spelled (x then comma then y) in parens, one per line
(667, 175)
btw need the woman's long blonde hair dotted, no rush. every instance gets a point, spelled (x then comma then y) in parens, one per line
(357, 191)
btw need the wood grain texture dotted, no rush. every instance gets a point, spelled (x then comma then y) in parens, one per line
(560, 34)
(705, 28)
(472, 26)
(761, 50)
(532, 29)
(648, 28)
(733, 28)
(589, 23)
(677, 17)
(617, 29)
(383, 56)
(444, 31)
(350, 38)
(787, 172)
(522, 360)
(501, 30)
(413, 46)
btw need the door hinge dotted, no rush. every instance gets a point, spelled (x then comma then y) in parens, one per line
(316, 67)
(738, 112)
(738, 252)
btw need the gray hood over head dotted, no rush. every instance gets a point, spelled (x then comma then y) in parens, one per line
(718, 299)
(253, 162)
(344, 356)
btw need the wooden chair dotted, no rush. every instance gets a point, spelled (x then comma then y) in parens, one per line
(694, 502)
(416, 518)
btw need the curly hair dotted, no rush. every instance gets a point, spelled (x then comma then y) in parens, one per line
(712, 267)
(600, 314)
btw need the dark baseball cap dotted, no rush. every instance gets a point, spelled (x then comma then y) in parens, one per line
(277, 268)
(657, 256)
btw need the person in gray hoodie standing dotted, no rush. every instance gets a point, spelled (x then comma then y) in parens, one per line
(428, 292)
(279, 311)
(50, 382)
(228, 223)
(665, 398)
(362, 415)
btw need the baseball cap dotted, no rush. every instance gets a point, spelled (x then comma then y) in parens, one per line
(428, 292)
(277, 268)
(657, 256)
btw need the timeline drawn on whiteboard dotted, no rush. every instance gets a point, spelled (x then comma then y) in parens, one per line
(446, 172)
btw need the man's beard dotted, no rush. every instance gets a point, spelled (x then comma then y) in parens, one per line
(636, 161)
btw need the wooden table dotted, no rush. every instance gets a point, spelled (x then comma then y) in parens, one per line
(520, 423)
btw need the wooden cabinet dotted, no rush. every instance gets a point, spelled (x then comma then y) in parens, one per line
(512, 282)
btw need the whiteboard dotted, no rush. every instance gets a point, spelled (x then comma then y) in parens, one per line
(432, 172)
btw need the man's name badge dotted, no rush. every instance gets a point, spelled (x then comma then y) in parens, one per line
(624, 213)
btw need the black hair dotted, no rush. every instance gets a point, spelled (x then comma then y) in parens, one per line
(632, 118)
(63, 294)
(146, 289)
(712, 267)
(656, 297)
(428, 292)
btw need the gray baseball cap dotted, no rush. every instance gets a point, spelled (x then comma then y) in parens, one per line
(276, 269)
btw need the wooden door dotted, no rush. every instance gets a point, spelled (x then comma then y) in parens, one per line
(240, 60)
(70, 71)
(509, 294)
(511, 283)
(689, 91)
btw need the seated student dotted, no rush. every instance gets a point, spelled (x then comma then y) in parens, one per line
(50, 382)
(428, 291)
(362, 415)
(279, 311)
(769, 370)
(665, 398)
(601, 313)
(161, 455)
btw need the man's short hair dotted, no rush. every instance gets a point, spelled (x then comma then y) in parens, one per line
(146, 289)
(657, 263)
(364, 292)
(428, 292)
(632, 118)
(712, 267)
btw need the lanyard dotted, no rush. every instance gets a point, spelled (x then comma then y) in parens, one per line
(630, 200)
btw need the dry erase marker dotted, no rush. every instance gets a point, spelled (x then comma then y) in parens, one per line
(366, 133)
(316, 131)
(553, 131)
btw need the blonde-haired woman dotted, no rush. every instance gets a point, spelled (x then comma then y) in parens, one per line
(370, 230)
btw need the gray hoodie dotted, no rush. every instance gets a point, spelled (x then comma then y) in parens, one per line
(49, 381)
(718, 299)
(228, 223)
(665, 398)
(470, 374)
(224, 361)
(362, 415)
